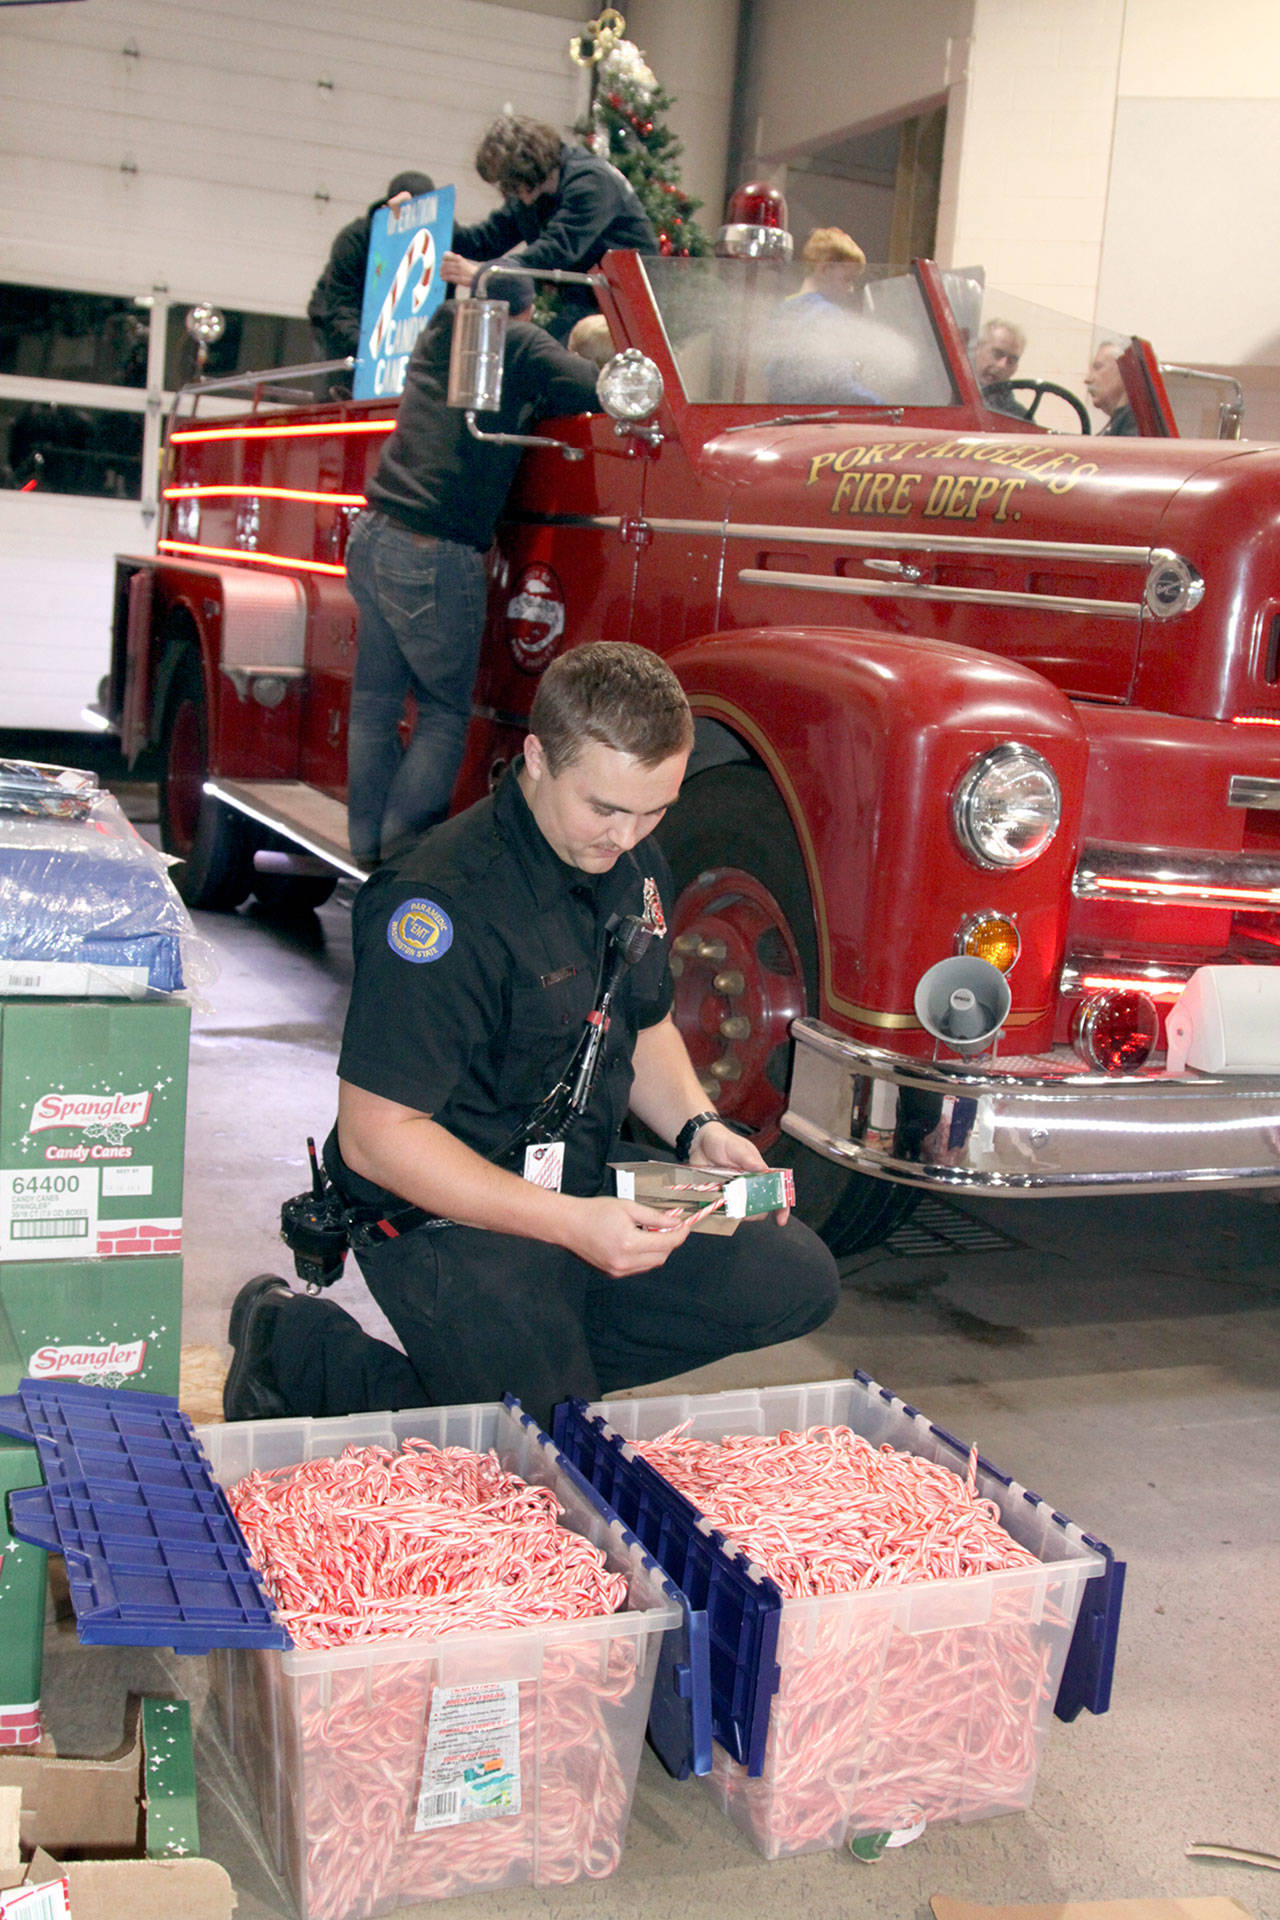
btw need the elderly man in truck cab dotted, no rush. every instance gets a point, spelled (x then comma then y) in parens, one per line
(1104, 384)
(1000, 347)
(562, 206)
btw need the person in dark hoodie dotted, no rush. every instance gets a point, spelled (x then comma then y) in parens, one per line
(415, 568)
(338, 295)
(563, 206)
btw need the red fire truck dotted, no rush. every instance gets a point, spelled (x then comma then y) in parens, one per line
(988, 722)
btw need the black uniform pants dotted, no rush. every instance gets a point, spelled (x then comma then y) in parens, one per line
(483, 1314)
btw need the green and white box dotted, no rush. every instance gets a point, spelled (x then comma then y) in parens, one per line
(93, 1109)
(104, 1323)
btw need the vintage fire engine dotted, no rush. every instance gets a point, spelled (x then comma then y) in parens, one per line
(988, 724)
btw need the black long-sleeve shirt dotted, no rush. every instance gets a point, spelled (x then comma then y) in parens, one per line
(434, 477)
(592, 209)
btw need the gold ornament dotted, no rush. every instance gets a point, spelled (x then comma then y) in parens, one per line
(601, 37)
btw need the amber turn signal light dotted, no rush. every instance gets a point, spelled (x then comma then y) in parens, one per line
(990, 936)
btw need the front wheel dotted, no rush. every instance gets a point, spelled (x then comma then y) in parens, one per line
(744, 952)
(209, 840)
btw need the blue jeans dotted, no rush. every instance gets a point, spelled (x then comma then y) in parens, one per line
(421, 603)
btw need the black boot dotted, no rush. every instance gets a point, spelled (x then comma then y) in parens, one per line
(250, 1391)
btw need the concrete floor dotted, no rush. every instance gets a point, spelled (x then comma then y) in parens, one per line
(1121, 1357)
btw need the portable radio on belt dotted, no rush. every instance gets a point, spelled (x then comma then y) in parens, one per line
(318, 1226)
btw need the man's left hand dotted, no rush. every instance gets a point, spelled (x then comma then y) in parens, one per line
(716, 1145)
(457, 269)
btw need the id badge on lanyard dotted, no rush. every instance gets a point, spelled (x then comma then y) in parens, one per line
(544, 1163)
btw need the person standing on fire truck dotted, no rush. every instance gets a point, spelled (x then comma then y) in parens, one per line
(563, 206)
(479, 957)
(415, 567)
(337, 298)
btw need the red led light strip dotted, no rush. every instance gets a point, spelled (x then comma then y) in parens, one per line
(1190, 890)
(266, 493)
(188, 436)
(1107, 983)
(251, 559)
(1254, 720)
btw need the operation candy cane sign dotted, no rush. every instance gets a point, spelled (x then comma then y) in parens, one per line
(402, 289)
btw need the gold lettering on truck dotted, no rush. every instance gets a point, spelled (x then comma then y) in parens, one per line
(861, 486)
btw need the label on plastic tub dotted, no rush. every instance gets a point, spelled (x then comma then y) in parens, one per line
(471, 1770)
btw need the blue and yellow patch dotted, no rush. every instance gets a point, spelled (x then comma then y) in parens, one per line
(419, 931)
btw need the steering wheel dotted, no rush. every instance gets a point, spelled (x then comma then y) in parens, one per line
(1038, 389)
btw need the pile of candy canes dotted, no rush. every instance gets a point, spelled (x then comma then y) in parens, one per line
(373, 1546)
(873, 1728)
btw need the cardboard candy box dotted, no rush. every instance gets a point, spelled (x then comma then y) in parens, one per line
(721, 1196)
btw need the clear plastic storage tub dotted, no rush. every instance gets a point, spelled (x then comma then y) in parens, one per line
(332, 1744)
(895, 1707)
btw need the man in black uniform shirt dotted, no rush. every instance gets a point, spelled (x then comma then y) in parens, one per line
(415, 567)
(477, 961)
(563, 206)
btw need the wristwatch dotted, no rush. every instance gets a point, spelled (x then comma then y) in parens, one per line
(689, 1131)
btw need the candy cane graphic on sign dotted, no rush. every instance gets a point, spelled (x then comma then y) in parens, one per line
(422, 255)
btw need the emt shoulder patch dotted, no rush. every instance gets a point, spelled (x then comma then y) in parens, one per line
(419, 931)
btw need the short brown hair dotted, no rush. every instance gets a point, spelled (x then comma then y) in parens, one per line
(616, 693)
(826, 244)
(516, 152)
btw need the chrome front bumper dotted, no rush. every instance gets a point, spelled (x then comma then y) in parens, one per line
(1022, 1129)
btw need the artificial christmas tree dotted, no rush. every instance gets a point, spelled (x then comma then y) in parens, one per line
(624, 124)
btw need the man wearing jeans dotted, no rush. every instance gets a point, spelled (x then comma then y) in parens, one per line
(415, 567)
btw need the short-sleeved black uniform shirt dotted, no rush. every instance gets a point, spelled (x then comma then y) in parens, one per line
(477, 959)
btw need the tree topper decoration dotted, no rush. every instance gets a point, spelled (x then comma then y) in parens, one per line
(600, 38)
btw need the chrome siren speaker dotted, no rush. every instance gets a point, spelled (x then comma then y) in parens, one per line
(963, 1002)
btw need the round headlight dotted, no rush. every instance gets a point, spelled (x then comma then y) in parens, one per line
(1006, 808)
(630, 386)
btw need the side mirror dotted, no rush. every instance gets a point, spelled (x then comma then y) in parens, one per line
(475, 357)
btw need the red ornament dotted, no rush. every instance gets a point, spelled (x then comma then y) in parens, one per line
(664, 244)
(647, 127)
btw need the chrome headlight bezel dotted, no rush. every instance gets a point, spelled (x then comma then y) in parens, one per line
(979, 818)
(630, 386)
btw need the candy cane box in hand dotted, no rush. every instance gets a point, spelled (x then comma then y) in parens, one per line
(859, 1717)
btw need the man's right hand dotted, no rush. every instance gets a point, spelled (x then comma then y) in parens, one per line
(621, 1237)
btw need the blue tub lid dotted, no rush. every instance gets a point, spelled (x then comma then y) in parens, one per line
(155, 1557)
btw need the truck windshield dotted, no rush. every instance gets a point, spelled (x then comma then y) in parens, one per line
(752, 331)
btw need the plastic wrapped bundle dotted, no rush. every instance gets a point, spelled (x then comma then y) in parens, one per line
(87, 907)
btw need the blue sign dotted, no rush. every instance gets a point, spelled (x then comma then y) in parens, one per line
(402, 289)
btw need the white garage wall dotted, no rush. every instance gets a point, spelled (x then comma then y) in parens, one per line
(217, 149)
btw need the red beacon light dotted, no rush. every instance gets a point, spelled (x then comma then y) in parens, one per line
(756, 225)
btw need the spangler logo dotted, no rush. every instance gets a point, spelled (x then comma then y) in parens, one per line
(69, 1363)
(89, 1110)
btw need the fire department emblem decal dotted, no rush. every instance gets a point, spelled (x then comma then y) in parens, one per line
(653, 913)
(535, 618)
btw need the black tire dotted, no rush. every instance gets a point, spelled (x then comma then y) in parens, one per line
(210, 840)
(740, 884)
(290, 895)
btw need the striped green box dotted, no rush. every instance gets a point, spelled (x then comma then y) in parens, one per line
(93, 1106)
(115, 1323)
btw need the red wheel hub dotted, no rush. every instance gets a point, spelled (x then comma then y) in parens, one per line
(184, 776)
(739, 985)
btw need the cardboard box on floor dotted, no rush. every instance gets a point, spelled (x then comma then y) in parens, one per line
(133, 1816)
(1194, 1907)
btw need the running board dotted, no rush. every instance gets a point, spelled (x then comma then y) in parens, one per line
(300, 813)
